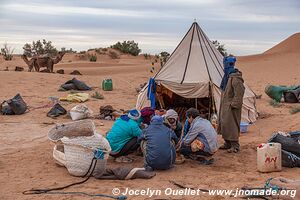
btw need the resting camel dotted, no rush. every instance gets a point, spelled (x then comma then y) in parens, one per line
(42, 61)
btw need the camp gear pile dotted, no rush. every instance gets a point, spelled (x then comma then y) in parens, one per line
(56, 111)
(287, 94)
(74, 84)
(14, 106)
(290, 145)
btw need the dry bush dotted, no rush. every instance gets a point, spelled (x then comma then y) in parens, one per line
(93, 58)
(113, 55)
(7, 52)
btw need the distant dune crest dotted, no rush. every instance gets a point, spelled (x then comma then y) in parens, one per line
(289, 45)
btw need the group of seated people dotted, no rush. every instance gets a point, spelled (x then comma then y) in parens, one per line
(159, 135)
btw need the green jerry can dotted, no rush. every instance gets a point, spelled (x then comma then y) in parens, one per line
(107, 85)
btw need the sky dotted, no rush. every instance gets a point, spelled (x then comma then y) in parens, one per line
(245, 27)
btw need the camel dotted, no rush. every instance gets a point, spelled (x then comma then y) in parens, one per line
(43, 61)
(30, 63)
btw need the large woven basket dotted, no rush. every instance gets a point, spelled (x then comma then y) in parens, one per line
(59, 154)
(79, 153)
(72, 130)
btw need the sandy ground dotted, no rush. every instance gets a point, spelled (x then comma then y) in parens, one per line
(26, 154)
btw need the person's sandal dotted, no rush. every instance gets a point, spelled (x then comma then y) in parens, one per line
(233, 150)
(206, 161)
(225, 146)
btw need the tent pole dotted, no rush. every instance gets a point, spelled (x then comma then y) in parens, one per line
(196, 103)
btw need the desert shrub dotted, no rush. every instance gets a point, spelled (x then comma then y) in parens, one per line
(113, 55)
(104, 49)
(147, 56)
(40, 48)
(128, 47)
(7, 52)
(93, 58)
(164, 56)
(82, 52)
(100, 51)
(64, 49)
(220, 47)
(295, 110)
(274, 103)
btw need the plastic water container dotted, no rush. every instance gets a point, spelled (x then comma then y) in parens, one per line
(269, 157)
(244, 127)
(107, 85)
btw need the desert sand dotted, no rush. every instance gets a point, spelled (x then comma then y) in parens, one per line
(26, 154)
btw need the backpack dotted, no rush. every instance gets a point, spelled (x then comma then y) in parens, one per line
(14, 106)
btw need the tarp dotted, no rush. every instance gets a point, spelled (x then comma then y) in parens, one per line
(192, 68)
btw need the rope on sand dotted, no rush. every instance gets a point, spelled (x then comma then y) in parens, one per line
(87, 175)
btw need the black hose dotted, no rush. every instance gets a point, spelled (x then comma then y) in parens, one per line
(46, 190)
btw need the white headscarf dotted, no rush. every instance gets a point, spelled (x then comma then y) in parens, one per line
(171, 114)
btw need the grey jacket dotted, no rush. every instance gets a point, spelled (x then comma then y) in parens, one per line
(202, 129)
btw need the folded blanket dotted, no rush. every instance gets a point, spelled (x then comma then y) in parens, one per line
(77, 97)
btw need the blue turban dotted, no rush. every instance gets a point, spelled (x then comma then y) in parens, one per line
(228, 63)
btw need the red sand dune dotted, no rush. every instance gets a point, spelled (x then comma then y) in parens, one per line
(289, 45)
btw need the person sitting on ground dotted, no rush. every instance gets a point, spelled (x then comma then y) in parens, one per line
(200, 139)
(171, 121)
(147, 113)
(123, 136)
(158, 145)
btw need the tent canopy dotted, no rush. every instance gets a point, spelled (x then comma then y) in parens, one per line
(192, 68)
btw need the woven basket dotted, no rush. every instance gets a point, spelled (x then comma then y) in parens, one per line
(72, 129)
(59, 154)
(79, 153)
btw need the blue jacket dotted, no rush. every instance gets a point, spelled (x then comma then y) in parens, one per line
(160, 151)
(121, 132)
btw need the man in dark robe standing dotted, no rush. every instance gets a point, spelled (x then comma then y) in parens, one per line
(233, 89)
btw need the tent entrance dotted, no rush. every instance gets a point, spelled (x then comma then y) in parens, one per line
(166, 99)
